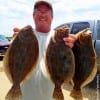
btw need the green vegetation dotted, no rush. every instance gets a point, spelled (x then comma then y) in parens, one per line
(9, 38)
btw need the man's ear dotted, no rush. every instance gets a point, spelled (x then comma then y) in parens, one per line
(33, 15)
(52, 17)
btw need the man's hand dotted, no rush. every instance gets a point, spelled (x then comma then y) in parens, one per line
(70, 40)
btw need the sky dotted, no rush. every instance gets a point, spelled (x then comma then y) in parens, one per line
(18, 13)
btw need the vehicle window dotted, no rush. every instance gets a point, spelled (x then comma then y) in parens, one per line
(3, 38)
(79, 26)
(98, 29)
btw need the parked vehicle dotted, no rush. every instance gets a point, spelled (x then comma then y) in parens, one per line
(4, 44)
(94, 26)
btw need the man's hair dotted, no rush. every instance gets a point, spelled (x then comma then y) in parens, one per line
(43, 2)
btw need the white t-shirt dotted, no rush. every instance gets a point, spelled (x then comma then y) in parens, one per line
(39, 86)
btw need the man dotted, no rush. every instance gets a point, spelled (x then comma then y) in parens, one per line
(39, 86)
(43, 17)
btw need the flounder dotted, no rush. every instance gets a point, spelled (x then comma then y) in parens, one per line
(59, 61)
(20, 60)
(85, 62)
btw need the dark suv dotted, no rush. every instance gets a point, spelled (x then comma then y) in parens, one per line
(94, 26)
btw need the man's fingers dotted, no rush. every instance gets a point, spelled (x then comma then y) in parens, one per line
(71, 38)
(69, 44)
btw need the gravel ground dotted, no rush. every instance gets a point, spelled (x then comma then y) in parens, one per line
(90, 92)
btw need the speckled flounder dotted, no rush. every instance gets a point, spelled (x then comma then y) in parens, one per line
(20, 60)
(85, 60)
(59, 61)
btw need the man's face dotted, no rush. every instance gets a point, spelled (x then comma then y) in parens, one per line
(43, 18)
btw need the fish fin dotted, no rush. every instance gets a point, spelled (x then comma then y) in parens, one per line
(57, 94)
(76, 94)
(14, 93)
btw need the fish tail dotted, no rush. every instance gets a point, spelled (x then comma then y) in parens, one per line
(57, 94)
(76, 94)
(14, 93)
